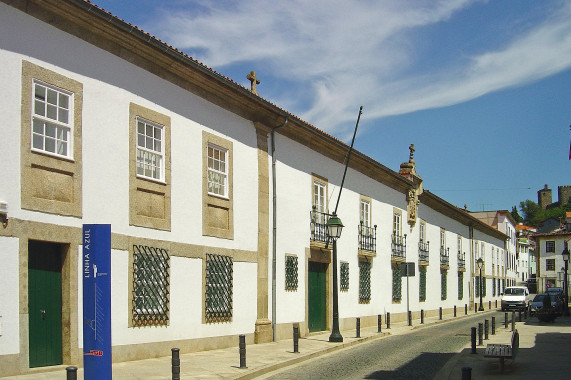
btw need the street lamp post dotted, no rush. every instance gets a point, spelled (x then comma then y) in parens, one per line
(565, 255)
(334, 228)
(480, 263)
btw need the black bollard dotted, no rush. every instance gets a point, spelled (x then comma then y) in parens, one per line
(466, 373)
(480, 334)
(243, 351)
(519, 316)
(454, 311)
(410, 318)
(296, 339)
(513, 320)
(486, 328)
(489, 305)
(473, 335)
(506, 320)
(388, 320)
(496, 304)
(379, 322)
(421, 316)
(71, 373)
(440, 313)
(175, 363)
(476, 307)
(493, 325)
(465, 309)
(358, 327)
(525, 313)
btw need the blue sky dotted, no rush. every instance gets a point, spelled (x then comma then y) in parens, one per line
(482, 88)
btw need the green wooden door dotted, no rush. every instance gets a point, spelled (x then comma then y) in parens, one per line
(44, 304)
(317, 294)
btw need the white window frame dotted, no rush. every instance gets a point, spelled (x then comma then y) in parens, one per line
(365, 213)
(151, 152)
(62, 130)
(319, 196)
(422, 232)
(443, 239)
(220, 172)
(397, 225)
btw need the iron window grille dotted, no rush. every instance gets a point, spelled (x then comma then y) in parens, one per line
(494, 287)
(461, 260)
(444, 256)
(291, 273)
(364, 282)
(460, 285)
(367, 238)
(219, 288)
(423, 251)
(397, 283)
(150, 285)
(344, 285)
(483, 286)
(398, 246)
(443, 285)
(477, 286)
(318, 225)
(422, 284)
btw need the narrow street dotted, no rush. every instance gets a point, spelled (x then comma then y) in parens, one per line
(417, 355)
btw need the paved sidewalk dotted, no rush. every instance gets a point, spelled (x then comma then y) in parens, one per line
(267, 357)
(544, 353)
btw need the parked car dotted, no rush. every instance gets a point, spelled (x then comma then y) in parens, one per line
(537, 303)
(557, 292)
(514, 298)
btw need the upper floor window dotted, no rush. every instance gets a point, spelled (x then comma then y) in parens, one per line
(150, 150)
(396, 224)
(319, 197)
(483, 251)
(550, 246)
(422, 232)
(52, 120)
(217, 171)
(442, 239)
(459, 243)
(365, 213)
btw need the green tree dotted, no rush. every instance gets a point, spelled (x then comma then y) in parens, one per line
(515, 215)
(530, 211)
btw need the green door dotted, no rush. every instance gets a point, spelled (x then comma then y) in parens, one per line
(317, 294)
(44, 303)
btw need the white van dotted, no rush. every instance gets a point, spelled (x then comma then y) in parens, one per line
(514, 298)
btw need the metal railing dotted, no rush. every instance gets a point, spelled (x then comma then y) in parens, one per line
(398, 246)
(318, 225)
(444, 256)
(461, 260)
(423, 251)
(367, 238)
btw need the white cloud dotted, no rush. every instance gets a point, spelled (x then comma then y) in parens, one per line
(361, 53)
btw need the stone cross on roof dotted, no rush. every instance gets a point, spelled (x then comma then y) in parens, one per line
(252, 78)
(411, 147)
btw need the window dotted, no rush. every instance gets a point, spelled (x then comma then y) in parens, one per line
(477, 286)
(217, 171)
(150, 150)
(459, 244)
(367, 234)
(396, 224)
(52, 120)
(483, 286)
(422, 232)
(442, 240)
(344, 285)
(550, 264)
(219, 288)
(422, 283)
(460, 285)
(365, 213)
(150, 286)
(364, 281)
(397, 283)
(550, 246)
(291, 272)
(443, 285)
(319, 197)
(493, 287)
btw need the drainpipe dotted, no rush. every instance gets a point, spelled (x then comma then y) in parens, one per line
(274, 228)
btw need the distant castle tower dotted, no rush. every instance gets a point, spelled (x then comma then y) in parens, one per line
(564, 195)
(544, 197)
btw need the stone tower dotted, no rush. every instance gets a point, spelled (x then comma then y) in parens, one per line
(564, 195)
(544, 197)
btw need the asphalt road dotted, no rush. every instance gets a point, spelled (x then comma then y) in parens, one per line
(416, 355)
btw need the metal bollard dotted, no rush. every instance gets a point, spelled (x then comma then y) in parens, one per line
(519, 316)
(358, 327)
(175, 363)
(493, 325)
(480, 333)
(71, 373)
(440, 313)
(421, 316)
(296, 339)
(465, 309)
(506, 320)
(513, 320)
(489, 305)
(243, 351)
(410, 318)
(525, 313)
(473, 339)
(496, 304)
(388, 320)
(466, 373)
(475, 307)
(454, 311)
(379, 323)
(486, 328)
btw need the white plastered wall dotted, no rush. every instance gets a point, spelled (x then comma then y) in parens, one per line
(9, 296)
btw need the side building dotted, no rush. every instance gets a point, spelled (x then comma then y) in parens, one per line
(217, 199)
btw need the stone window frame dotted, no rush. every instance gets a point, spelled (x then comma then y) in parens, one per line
(50, 183)
(217, 211)
(149, 199)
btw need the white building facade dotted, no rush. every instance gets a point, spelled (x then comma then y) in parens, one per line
(205, 185)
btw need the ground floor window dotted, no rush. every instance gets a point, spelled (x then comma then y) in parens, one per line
(344, 283)
(443, 285)
(422, 283)
(397, 283)
(364, 281)
(219, 288)
(291, 273)
(460, 285)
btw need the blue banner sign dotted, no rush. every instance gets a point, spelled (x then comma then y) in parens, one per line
(96, 273)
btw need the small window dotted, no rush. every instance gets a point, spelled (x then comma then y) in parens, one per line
(442, 240)
(396, 224)
(550, 264)
(217, 171)
(364, 281)
(550, 246)
(219, 288)
(422, 283)
(150, 150)
(52, 120)
(460, 285)
(365, 213)
(291, 273)
(344, 285)
(444, 285)
(397, 283)
(422, 232)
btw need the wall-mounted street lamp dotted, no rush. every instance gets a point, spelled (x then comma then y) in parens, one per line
(334, 229)
(480, 263)
(565, 255)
